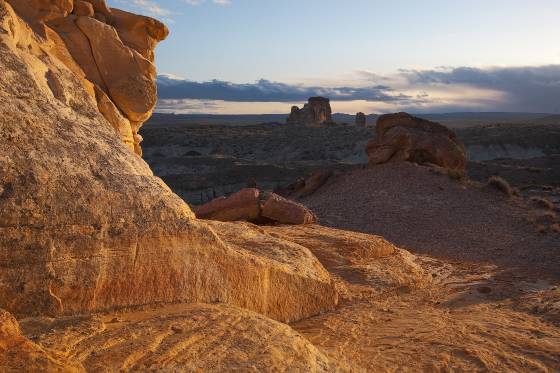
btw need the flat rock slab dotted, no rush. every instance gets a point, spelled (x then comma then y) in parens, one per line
(189, 338)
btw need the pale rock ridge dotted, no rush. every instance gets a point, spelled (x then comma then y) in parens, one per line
(84, 224)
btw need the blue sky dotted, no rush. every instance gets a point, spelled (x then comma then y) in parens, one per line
(363, 45)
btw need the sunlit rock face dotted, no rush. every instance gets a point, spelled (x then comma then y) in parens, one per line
(111, 50)
(403, 137)
(316, 111)
(84, 224)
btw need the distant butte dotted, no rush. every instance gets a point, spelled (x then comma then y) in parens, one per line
(317, 110)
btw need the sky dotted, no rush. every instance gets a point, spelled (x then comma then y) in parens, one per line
(262, 56)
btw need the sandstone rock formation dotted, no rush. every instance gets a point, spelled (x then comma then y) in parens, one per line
(182, 338)
(246, 205)
(110, 50)
(19, 354)
(85, 226)
(403, 137)
(316, 111)
(243, 205)
(282, 210)
(360, 119)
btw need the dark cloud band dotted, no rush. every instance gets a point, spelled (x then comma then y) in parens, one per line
(522, 89)
(267, 91)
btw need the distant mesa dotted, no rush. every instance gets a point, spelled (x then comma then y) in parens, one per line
(403, 137)
(317, 110)
(360, 119)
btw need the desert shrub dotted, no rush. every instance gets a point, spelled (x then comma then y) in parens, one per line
(548, 216)
(501, 185)
(456, 174)
(543, 203)
(541, 229)
(555, 228)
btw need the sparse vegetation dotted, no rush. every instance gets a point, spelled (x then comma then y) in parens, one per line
(500, 184)
(548, 216)
(541, 229)
(456, 174)
(542, 202)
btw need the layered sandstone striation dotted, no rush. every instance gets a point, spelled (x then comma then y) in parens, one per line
(179, 338)
(403, 137)
(84, 224)
(317, 110)
(19, 354)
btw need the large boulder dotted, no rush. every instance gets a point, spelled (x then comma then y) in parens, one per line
(282, 210)
(316, 111)
(242, 205)
(403, 137)
(246, 205)
(85, 225)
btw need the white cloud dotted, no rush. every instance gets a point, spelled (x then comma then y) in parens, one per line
(147, 7)
(217, 2)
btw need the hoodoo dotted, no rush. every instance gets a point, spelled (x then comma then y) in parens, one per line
(316, 111)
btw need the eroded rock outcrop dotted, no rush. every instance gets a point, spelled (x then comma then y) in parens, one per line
(360, 119)
(242, 205)
(183, 338)
(111, 50)
(19, 354)
(84, 224)
(403, 137)
(247, 205)
(316, 111)
(284, 211)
